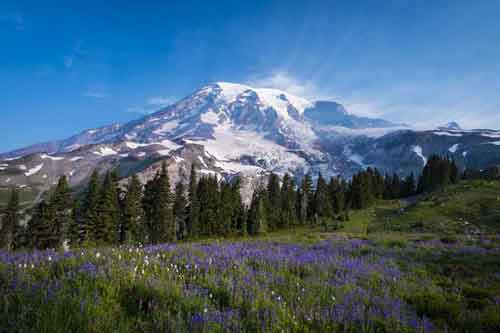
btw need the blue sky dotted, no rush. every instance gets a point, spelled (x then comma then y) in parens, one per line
(67, 67)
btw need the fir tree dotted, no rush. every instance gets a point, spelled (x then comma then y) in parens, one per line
(454, 173)
(258, 214)
(288, 202)
(408, 187)
(62, 205)
(180, 210)
(322, 202)
(225, 212)
(208, 196)
(132, 227)
(193, 218)
(163, 228)
(396, 186)
(274, 200)
(336, 189)
(75, 225)
(41, 226)
(90, 210)
(238, 219)
(388, 187)
(149, 205)
(305, 199)
(107, 230)
(357, 195)
(10, 222)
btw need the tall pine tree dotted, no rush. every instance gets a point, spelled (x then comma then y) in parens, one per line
(132, 227)
(180, 210)
(10, 222)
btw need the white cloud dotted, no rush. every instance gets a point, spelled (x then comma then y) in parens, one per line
(284, 81)
(160, 101)
(137, 109)
(415, 104)
(152, 105)
(96, 93)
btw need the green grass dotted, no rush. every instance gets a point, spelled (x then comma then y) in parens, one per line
(470, 207)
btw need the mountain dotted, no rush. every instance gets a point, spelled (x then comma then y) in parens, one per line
(229, 129)
(453, 125)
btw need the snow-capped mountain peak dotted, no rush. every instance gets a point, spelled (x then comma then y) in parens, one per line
(229, 128)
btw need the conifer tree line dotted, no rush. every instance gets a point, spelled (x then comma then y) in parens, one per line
(106, 214)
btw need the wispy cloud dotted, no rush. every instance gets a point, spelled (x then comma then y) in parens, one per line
(96, 93)
(13, 18)
(160, 101)
(152, 105)
(75, 54)
(286, 82)
(415, 104)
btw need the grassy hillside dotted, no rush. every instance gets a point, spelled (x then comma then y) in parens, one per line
(468, 208)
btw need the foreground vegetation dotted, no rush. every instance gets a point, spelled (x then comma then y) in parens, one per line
(301, 281)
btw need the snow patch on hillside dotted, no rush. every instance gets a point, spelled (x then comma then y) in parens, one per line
(491, 135)
(166, 127)
(105, 151)
(418, 150)
(34, 170)
(210, 117)
(447, 134)
(454, 148)
(53, 158)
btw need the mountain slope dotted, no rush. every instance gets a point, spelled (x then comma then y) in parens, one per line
(228, 129)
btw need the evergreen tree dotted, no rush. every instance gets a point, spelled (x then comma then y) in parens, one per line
(41, 226)
(305, 198)
(10, 222)
(149, 207)
(132, 227)
(274, 200)
(388, 187)
(225, 212)
(322, 202)
(163, 228)
(238, 219)
(408, 187)
(107, 230)
(180, 210)
(75, 224)
(396, 186)
(62, 205)
(208, 196)
(454, 173)
(288, 202)
(258, 214)
(192, 225)
(90, 210)
(337, 194)
(357, 195)
(436, 173)
(379, 185)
